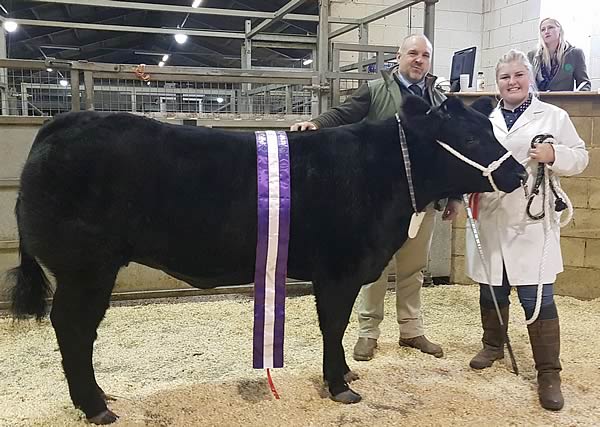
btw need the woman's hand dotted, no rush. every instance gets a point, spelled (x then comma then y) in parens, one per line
(542, 153)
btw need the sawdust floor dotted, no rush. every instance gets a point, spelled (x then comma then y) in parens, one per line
(188, 363)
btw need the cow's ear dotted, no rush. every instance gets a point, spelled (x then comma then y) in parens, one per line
(453, 104)
(414, 106)
(485, 105)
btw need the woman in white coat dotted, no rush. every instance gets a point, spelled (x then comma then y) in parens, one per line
(512, 242)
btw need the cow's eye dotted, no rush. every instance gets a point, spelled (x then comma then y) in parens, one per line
(471, 140)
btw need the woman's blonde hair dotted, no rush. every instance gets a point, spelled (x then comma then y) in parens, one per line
(515, 55)
(542, 55)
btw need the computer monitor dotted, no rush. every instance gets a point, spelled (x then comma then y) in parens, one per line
(463, 62)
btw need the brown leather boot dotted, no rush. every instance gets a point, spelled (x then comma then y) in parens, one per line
(364, 349)
(545, 343)
(493, 338)
(422, 343)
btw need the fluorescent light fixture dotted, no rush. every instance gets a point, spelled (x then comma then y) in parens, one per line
(181, 38)
(220, 100)
(165, 58)
(307, 61)
(49, 69)
(63, 83)
(161, 64)
(10, 26)
(196, 3)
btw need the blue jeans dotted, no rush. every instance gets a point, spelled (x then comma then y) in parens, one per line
(527, 298)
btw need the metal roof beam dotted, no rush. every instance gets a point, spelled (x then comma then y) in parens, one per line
(152, 30)
(197, 10)
(278, 15)
(374, 17)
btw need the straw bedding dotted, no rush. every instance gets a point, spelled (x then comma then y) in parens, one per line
(188, 362)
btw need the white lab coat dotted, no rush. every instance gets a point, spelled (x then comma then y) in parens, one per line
(507, 233)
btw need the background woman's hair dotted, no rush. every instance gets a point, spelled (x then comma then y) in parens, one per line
(543, 54)
(515, 55)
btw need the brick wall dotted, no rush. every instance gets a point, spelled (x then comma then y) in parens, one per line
(580, 240)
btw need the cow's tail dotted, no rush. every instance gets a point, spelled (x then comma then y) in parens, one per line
(31, 286)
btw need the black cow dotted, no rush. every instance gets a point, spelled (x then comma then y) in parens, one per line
(101, 190)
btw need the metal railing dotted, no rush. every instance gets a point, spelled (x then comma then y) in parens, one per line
(38, 88)
(47, 88)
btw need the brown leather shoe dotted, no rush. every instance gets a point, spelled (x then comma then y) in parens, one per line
(422, 343)
(364, 349)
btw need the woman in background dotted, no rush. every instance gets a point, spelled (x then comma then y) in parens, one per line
(558, 65)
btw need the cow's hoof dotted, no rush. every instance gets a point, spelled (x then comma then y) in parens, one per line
(104, 417)
(108, 397)
(347, 396)
(351, 376)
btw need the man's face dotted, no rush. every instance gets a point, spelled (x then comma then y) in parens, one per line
(414, 59)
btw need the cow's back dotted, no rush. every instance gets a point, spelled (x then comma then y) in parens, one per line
(100, 186)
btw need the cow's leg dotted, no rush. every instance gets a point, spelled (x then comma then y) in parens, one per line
(79, 304)
(334, 305)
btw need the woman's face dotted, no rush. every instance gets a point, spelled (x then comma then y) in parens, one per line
(550, 32)
(513, 83)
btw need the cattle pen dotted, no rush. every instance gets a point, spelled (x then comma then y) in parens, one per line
(188, 362)
(172, 355)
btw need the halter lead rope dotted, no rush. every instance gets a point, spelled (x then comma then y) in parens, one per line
(550, 184)
(487, 172)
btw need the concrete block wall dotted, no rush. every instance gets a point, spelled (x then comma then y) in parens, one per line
(507, 24)
(458, 25)
(580, 240)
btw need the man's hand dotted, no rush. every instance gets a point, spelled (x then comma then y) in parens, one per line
(542, 153)
(452, 209)
(302, 126)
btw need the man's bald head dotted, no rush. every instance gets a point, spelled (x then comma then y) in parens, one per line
(414, 57)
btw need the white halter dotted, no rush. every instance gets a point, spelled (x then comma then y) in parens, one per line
(487, 172)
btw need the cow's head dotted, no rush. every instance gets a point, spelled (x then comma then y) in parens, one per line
(468, 131)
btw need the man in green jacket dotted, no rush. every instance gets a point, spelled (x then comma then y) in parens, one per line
(380, 99)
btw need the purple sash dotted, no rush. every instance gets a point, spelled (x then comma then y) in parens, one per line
(274, 197)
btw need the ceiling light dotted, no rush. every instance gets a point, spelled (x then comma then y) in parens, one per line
(49, 69)
(165, 58)
(307, 61)
(10, 26)
(181, 38)
(63, 83)
(196, 3)
(220, 100)
(161, 64)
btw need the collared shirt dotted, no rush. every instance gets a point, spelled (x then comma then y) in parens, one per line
(404, 81)
(511, 116)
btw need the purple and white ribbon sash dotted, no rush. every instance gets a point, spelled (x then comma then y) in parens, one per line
(274, 197)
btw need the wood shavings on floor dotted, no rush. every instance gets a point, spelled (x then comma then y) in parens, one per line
(188, 362)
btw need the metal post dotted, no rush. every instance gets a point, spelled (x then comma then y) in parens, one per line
(335, 82)
(24, 105)
(3, 77)
(289, 97)
(88, 82)
(323, 51)
(247, 65)
(363, 39)
(429, 23)
(75, 102)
